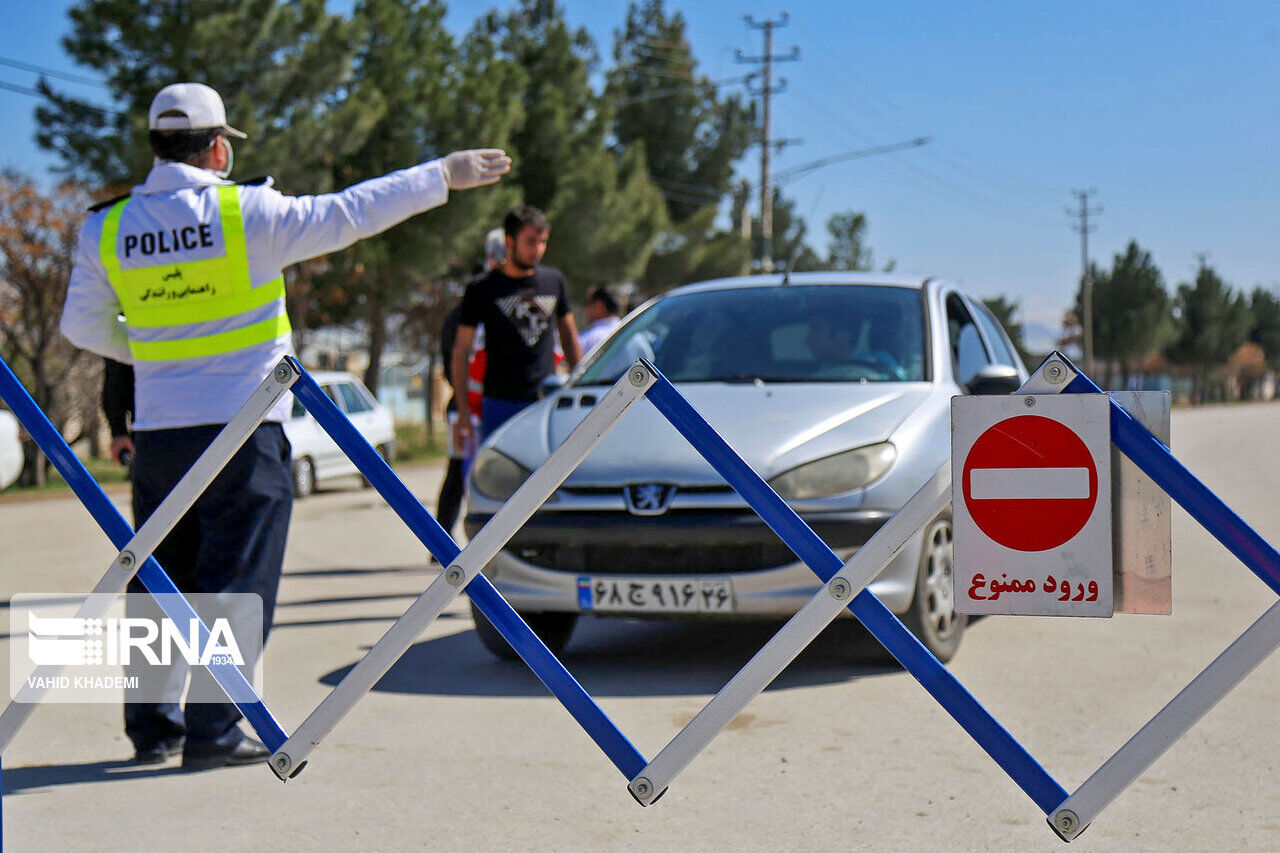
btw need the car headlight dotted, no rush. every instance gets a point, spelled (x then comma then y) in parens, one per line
(497, 476)
(835, 475)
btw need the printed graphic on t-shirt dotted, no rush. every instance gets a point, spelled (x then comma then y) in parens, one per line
(531, 315)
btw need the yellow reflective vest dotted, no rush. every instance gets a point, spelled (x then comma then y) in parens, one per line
(173, 299)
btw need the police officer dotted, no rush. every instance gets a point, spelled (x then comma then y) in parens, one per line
(194, 263)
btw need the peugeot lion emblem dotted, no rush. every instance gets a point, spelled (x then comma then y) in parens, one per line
(649, 498)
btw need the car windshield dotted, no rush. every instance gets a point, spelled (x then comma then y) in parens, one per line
(796, 333)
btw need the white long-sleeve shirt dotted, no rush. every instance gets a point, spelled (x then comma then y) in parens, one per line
(280, 230)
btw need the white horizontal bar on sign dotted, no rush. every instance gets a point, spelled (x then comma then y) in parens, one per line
(1028, 484)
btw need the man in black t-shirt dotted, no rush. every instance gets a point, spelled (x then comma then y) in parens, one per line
(518, 303)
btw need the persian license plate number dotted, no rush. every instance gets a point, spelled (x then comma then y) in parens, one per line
(657, 595)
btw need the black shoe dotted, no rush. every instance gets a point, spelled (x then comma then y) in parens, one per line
(158, 754)
(247, 751)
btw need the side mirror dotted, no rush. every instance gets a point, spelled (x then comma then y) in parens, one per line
(553, 382)
(995, 379)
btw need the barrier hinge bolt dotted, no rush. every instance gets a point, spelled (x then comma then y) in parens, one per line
(1066, 821)
(282, 374)
(1055, 372)
(638, 376)
(454, 575)
(839, 589)
(642, 787)
(126, 559)
(281, 763)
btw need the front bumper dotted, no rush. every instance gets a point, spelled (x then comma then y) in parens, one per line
(539, 568)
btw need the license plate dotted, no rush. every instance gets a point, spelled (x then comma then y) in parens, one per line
(655, 595)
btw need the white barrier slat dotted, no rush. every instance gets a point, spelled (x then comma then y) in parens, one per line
(1170, 723)
(153, 531)
(799, 632)
(471, 560)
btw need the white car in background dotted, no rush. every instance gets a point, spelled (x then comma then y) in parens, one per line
(10, 449)
(317, 459)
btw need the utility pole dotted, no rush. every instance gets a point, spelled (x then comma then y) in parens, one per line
(768, 144)
(1083, 227)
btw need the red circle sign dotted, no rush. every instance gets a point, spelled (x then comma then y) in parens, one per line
(1030, 483)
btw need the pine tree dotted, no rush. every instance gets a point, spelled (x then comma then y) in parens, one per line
(279, 65)
(603, 208)
(692, 137)
(432, 96)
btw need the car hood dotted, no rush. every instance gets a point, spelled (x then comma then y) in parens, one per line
(774, 427)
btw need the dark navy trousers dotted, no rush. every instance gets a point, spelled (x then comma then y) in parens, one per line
(231, 540)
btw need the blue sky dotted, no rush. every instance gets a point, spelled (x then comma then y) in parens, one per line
(1170, 110)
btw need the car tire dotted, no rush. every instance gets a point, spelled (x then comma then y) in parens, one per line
(932, 617)
(385, 452)
(304, 477)
(554, 629)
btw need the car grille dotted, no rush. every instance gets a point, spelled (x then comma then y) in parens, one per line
(655, 559)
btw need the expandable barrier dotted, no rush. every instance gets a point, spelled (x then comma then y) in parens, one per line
(844, 585)
(136, 548)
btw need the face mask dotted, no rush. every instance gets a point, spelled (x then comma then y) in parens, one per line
(231, 160)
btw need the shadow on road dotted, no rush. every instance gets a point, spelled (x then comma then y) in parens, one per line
(614, 657)
(32, 779)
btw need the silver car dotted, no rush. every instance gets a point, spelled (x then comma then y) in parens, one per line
(835, 387)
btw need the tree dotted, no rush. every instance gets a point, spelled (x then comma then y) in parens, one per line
(848, 250)
(1211, 322)
(692, 137)
(38, 236)
(1005, 311)
(1264, 308)
(1130, 310)
(279, 64)
(604, 210)
(430, 96)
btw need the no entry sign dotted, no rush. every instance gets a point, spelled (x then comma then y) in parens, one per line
(1032, 505)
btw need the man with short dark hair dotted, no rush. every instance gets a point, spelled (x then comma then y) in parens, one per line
(602, 310)
(194, 264)
(517, 303)
(449, 503)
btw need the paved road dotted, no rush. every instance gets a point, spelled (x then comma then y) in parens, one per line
(455, 750)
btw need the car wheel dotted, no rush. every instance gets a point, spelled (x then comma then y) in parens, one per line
(304, 477)
(553, 629)
(385, 453)
(932, 617)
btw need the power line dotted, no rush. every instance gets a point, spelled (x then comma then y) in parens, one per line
(52, 72)
(35, 93)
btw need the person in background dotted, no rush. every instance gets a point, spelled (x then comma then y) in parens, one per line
(602, 310)
(518, 303)
(194, 262)
(449, 503)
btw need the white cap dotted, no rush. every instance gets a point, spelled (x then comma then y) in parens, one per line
(201, 109)
(495, 246)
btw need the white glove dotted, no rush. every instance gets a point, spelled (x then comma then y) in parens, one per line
(474, 167)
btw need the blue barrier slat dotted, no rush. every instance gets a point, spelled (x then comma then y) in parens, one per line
(550, 671)
(1158, 463)
(119, 532)
(896, 637)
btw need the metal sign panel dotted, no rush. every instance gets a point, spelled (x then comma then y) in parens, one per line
(1032, 505)
(1142, 572)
